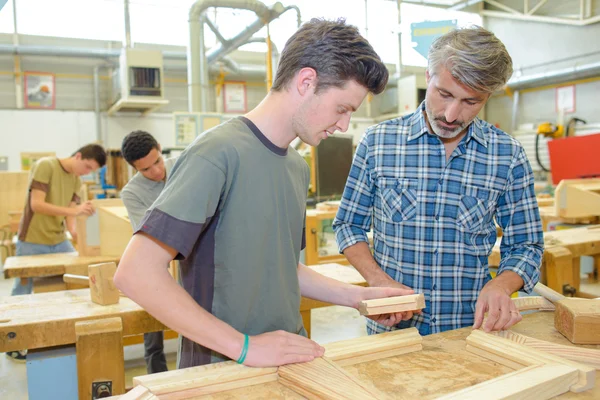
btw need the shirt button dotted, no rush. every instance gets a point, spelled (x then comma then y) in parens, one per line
(437, 217)
(433, 320)
(435, 251)
(434, 287)
(440, 182)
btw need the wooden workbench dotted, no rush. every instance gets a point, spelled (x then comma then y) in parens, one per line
(51, 264)
(442, 367)
(563, 249)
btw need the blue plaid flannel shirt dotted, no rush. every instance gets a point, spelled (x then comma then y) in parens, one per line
(433, 220)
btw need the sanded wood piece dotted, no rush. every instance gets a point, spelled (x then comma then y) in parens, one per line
(99, 348)
(533, 303)
(578, 320)
(204, 380)
(581, 355)
(323, 379)
(374, 347)
(139, 393)
(102, 287)
(411, 302)
(515, 355)
(535, 382)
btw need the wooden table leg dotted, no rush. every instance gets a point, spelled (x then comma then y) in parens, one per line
(99, 347)
(559, 268)
(306, 320)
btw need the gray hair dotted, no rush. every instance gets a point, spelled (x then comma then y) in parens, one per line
(474, 57)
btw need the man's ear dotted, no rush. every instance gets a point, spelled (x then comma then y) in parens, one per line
(77, 156)
(427, 76)
(306, 80)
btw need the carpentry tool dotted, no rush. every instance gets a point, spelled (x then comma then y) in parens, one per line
(100, 280)
(576, 319)
(387, 305)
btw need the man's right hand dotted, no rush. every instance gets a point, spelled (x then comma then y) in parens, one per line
(86, 208)
(386, 281)
(273, 349)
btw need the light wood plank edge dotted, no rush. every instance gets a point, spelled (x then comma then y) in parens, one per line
(537, 381)
(533, 303)
(138, 393)
(210, 378)
(581, 355)
(515, 355)
(386, 305)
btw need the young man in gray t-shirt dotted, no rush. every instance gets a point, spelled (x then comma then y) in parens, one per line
(141, 150)
(233, 212)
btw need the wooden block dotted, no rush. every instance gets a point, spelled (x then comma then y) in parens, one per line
(139, 393)
(581, 355)
(388, 305)
(533, 303)
(323, 379)
(102, 287)
(578, 320)
(99, 347)
(515, 355)
(535, 382)
(374, 347)
(204, 380)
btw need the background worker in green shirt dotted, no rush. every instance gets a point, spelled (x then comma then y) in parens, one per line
(233, 212)
(53, 202)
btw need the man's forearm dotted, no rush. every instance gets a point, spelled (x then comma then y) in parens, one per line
(510, 281)
(319, 287)
(359, 255)
(163, 298)
(53, 210)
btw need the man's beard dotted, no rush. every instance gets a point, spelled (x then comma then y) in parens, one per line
(442, 131)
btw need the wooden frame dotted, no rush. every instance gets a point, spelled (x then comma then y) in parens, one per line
(537, 372)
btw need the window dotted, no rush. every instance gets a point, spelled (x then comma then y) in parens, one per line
(6, 17)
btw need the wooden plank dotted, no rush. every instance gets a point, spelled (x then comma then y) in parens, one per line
(528, 303)
(138, 393)
(386, 305)
(514, 354)
(205, 379)
(13, 193)
(323, 379)
(578, 320)
(374, 347)
(581, 355)
(99, 348)
(535, 382)
(51, 264)
(115, 230)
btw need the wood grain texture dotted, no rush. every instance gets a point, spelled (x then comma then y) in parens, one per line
(411, 302)
(51, 264)
(115, 230)
(138, 393)
(13, 193)
(581, 355)
(535, 382)
(102, 288)
(99, 347)
(533, 303)
(578, 320)
(516, 355)
(323, 379)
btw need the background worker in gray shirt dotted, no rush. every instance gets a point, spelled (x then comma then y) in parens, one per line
(141, 150)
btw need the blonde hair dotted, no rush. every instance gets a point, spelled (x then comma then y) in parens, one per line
(474, 56)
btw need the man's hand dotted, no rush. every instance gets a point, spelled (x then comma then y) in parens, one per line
(86, 208)
(495, 300)
(388, 288)
(273, 349)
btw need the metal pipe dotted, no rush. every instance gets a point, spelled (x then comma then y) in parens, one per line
(555, 77)
(269, 60)
(503, 7)
(97, 104)
(17, 61)
(298, 14)
(537, 7)
(515, 111)
(215, 30)
(127, 43)
(537, 18)
(398, 73)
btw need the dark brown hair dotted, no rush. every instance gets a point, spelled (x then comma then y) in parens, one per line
(336, 51)
(93, 152)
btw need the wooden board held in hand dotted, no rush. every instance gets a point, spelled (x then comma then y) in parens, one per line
(411, 302)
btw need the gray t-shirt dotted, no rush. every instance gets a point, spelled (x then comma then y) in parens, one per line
(140, 192)
(234, 209)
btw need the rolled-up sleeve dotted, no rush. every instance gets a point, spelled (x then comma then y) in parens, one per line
(353, 219)
(522, 245)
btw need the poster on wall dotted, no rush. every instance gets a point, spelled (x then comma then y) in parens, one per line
(565, 99)
(40, 90)
(234, 97)
(187, 127)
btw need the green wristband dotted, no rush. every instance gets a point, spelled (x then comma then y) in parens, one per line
(244, 350)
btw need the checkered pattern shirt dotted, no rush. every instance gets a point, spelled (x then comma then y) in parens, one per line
(433, 220)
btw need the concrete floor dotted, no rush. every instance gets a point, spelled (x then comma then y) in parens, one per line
(329, 324)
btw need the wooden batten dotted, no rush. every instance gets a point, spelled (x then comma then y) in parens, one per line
(581, 355)
(138, 393)
(535, 382)
(394, 304)
(533, 303)
(515, 355)
(323, 379)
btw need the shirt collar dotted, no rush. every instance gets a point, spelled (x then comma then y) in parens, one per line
(418, 127)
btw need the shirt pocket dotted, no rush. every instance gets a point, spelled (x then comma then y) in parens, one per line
(398, 198)
(476, 208)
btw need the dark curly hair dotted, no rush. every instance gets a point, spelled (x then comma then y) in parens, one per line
(137, 145)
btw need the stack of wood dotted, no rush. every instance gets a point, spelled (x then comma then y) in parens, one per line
(117, 169)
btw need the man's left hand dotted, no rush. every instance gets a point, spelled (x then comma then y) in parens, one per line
(368, 293)
(501, 310)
